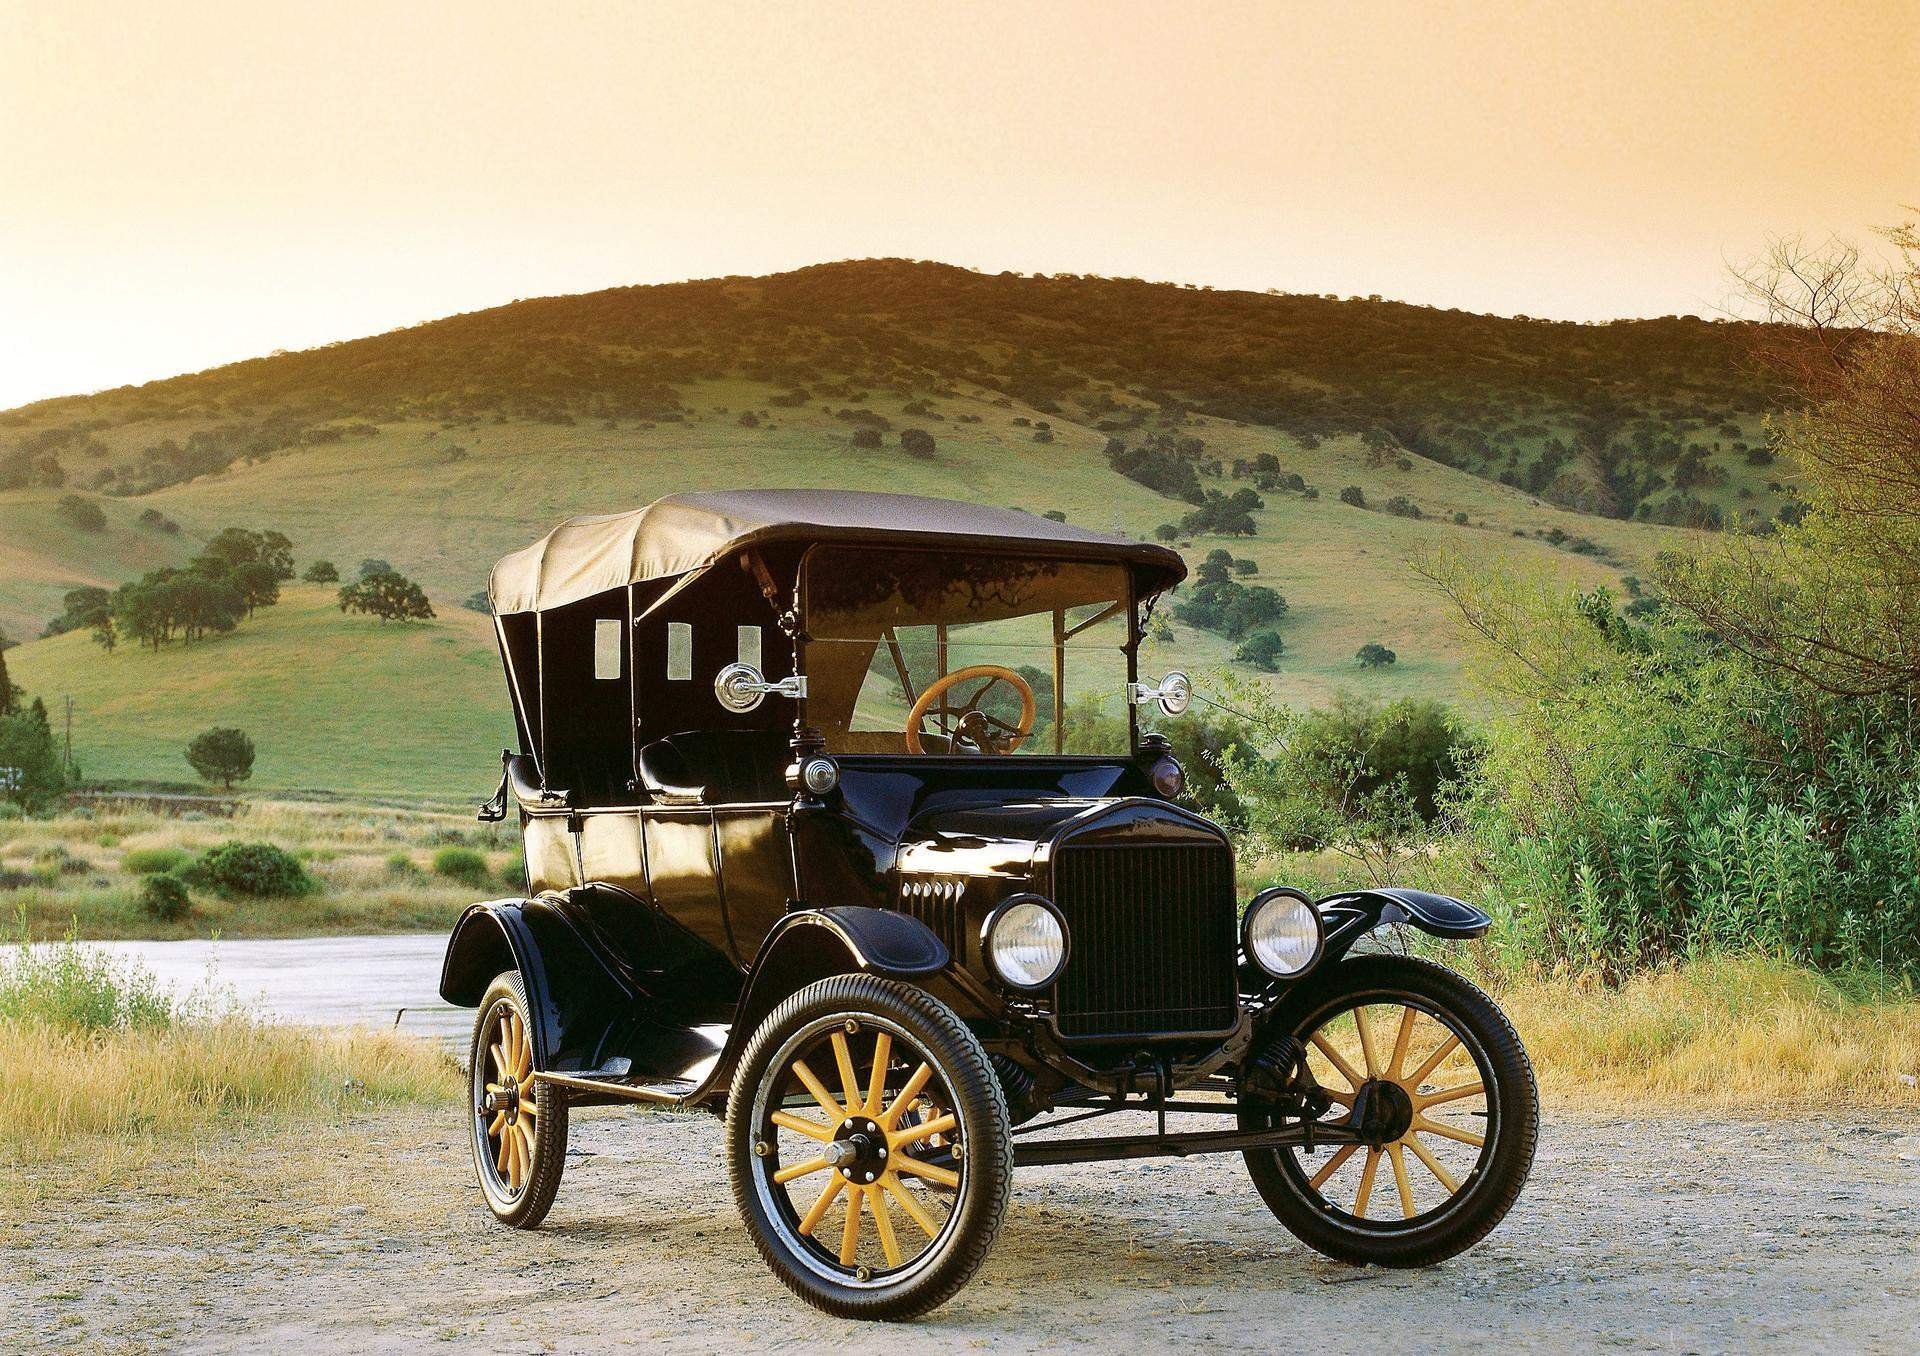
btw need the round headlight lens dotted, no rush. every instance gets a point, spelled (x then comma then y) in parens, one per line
(1026, 944)
(1169, 778)
(820, 775)
(1283, 934)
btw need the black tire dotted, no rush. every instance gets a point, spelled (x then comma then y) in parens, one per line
(521, 1193)
(848, 1014)
(1486, 1189)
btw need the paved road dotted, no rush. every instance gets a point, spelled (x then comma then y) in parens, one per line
(323, 981)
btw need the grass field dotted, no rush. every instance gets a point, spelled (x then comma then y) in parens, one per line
(345, 704)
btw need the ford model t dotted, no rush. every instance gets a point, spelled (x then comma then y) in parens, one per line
(849, 818)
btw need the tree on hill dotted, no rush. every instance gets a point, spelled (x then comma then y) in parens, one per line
(27, 747)
(1262, 649)
(222, 754)
(191, 603)
(388, 595)
(321, 572)
(374, 565)
(916, 442)
(8, 700)
(1374, 655)
(82, 512)
(86, 608)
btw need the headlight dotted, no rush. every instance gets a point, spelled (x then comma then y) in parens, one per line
(1169, 778)
(1282, 932)
(1025, 942)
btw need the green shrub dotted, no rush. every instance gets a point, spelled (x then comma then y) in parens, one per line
(78, 988)
(148, 861)
(461, 864)
(164, 897)
(401, 864)
(257, 869)
(514, 874)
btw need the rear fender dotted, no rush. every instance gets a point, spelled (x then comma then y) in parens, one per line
(1353, 914)
(576, 994)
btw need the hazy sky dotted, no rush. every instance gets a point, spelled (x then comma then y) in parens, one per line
(187, 184)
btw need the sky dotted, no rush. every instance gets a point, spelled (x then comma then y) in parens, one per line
(183, 185)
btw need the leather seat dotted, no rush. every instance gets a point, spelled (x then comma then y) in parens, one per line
(716, 767)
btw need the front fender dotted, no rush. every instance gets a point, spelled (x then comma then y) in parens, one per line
(1351, 915)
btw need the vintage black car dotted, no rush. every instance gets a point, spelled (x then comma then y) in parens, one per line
(841, 821)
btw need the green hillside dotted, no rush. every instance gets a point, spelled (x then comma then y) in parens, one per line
(333, 702)
(442, 447)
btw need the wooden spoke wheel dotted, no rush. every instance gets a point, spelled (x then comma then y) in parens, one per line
(966, 724)
(1430, 1075)
(519, 1125)
(869, 1147)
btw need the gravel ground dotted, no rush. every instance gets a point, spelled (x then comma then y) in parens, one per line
(1660, 1233)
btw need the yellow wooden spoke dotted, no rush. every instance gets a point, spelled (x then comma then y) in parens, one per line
(1365, 1193)
(1426, 1126)
(932, 1172)
(877, 1086)
(494, 1126)
(1407, 1018)
(1332, 1165)
(819, 1091)
(800, 1125)
(788, 1173)
(516, 1167)
(494, 1087)
(1441, 1175)
(499, 1059)
(919, 1130)
(509, 1046)
(1448, 1094)
(849, 1080)
(912, 1090)
(505, 1152)
(818, 1210)
(526, 1144)
(1339, 1061)
(1407, 1207)
(1419, 1075)
(528, 1107)
(850, 1234)
(910, 1203)
(883, 1225)
(1366, 1042)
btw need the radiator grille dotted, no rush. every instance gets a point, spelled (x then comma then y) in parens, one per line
(1151, 940)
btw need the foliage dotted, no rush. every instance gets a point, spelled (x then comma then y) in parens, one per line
(1354, 495)
(388, 595)
(83, 513)
(461, 864)
(1262, 649)
(321, 572)
(865, 437)
(165, 897)
(222, 754)
(260, 870)
(27, 746)
(1374, 655)
(916, 442)
(80, 989)
(148, 861)
(1231, 608)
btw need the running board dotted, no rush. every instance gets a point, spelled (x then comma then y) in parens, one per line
(1046, 1153)
(666, 1091)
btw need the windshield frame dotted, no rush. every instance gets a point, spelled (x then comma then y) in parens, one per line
(1130, 605)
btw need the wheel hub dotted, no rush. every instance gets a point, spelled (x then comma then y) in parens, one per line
(858, 1150)
(1382, 1112)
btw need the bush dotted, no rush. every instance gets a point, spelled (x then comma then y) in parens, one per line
(1262, 649)
(401, 864)
(322, 572)
(461, 864)
(916, 442)
(1374, 655)
(514, 874)
(260, 870)
(81, 989)
(1402, 507)
(147, 861)
(1354, 495)
(164, 897)
(82, 513)
(866, 437)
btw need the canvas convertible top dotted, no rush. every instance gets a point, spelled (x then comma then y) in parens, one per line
(683, 533)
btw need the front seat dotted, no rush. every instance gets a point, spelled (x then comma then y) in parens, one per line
(716, 767)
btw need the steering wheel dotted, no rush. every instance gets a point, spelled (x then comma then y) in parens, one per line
(975, 731)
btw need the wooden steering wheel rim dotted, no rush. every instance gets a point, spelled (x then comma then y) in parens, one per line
(939, 686)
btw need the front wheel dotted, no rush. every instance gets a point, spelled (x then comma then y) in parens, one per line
(518, 1126)
(1432, 1074)
(868, 1143)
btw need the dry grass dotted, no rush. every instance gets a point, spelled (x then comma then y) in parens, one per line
(1751, 1034)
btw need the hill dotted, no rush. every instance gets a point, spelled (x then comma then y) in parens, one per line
(444, 446)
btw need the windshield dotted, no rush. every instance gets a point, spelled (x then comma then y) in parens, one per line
(943, 653)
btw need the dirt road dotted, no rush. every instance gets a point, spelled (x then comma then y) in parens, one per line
(1664, 1234)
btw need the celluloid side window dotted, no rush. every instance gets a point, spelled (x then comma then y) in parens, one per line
(679, 651)
(749, 643)
(606, 648)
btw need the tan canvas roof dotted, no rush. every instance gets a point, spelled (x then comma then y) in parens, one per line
(685, 532)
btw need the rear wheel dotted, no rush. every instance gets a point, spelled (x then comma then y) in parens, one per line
(1445, 1098)
(869, 1148)
(519, 1126)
